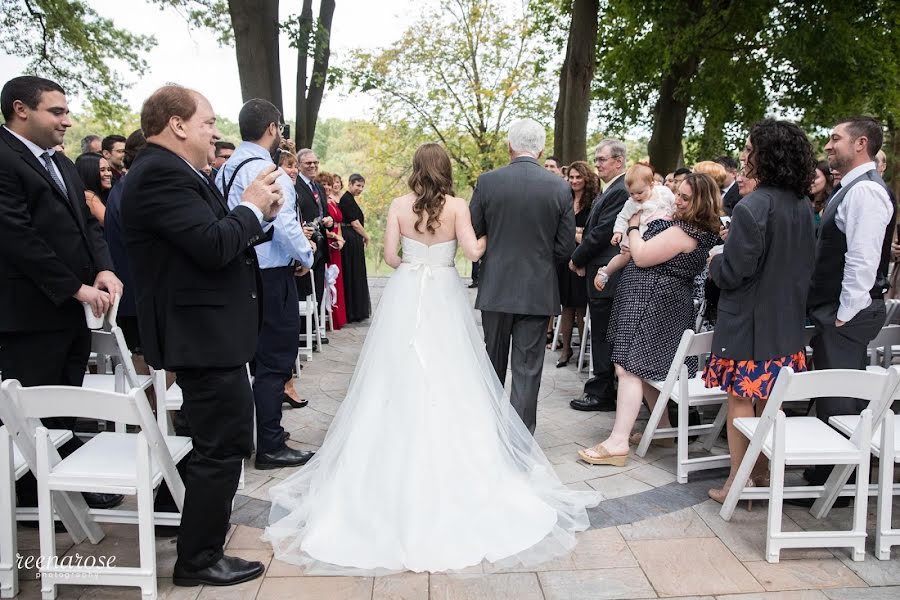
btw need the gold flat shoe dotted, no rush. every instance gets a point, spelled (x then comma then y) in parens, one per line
(604, 457)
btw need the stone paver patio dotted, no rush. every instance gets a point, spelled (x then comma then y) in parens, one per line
(650, 538)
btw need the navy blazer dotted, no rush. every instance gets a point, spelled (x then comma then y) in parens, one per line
(764, 275)
(595, 251)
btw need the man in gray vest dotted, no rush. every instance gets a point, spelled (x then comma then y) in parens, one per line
(846, 297)
(527, 214)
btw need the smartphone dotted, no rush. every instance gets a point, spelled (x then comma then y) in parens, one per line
(726, 222)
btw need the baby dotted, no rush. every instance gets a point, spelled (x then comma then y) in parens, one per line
(653, 201)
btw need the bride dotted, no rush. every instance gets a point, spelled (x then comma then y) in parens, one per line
(426, 466)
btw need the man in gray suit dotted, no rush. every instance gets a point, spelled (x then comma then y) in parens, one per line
(526, 213)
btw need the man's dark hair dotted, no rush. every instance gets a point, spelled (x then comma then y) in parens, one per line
(255, 117)
(28, 90)
(681, 171)
(220, 145)
(729, 163)
(86, 142)
(868, 127)
(356, 177)
(554, 159)
(781, 157)
(133, 146)
(110, 141)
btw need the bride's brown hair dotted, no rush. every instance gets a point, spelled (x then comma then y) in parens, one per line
(431, 181)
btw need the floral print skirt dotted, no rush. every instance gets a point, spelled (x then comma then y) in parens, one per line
(749, 378)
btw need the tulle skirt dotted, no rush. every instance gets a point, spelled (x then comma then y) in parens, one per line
(426, 466)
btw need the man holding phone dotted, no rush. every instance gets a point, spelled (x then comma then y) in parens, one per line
(261, 126)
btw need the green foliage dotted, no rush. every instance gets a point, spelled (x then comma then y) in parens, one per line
(461, 73)
(204, 14)
(68, 42)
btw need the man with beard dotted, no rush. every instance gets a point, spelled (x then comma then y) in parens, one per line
(261, 124)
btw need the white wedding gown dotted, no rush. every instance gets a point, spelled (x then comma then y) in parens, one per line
(426, 466)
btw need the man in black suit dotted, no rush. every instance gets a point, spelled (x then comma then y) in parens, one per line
(526, 213)
(198, 305)
(53, 256)
(312, 201)
(595, 252)
(730, 193)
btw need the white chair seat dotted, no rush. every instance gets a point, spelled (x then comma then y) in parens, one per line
(700, 394)
(58, 437)
(109, 460)
(847, 424)
(808, 441)
(107, 383)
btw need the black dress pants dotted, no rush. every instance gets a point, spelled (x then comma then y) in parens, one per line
(46, 358)
(218, 410)
(600, 307)
(276, 352)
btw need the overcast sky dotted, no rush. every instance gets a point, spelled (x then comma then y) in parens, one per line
(194, 58)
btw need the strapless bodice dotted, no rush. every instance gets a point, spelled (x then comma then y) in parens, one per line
(435, 255)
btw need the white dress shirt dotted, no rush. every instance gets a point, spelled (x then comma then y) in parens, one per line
(38, 153)
(863, 215)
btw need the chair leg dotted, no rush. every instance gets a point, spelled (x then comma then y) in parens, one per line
(776, 497)
(861, 503)
(47, 531)
(9, 577)
(885, 488)
(718, 424)
(146, 533)
(662, 404)
(683, 439)
(741, 477)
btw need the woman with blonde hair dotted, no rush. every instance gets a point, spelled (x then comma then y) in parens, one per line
(425, 467)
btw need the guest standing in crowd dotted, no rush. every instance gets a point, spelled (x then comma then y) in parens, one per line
(653, 305)
(594, 252)
(820, 190)
(715, 170)
(53, 258)
(114, 152)
(335, 244)
(221, 154)
(261, 124)
(96, 176)
(572, 287)
(195, 275)
(730, 193)
(763, 275)
(91, 143)
(312, 200)
(356, 282)
(551, 163)
(288, 163)
(846, 298)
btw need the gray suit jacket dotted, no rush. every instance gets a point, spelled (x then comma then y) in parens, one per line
(527, 214)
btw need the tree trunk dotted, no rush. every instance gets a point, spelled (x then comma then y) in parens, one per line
(256, 30)
(894, 173)
(669, 115)
(308, 106)
(574, 102)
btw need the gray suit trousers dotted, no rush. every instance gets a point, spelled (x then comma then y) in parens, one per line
(527, 335)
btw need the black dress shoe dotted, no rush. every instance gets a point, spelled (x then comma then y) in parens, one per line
(841, 502)
(588, 402)
(229, 570)
(563, 362)
(285, 399)
(102, 501)
(473, 285)
(285, 457)
(324, 341)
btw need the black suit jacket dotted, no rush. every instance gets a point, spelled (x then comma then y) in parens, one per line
(730, 199)
(526, 213)
(49, 243)
(595, 251)
(764, 276)
(195, 272)
(309, 210)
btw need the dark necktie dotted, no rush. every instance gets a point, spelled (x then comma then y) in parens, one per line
(315, 194)
(48, 164)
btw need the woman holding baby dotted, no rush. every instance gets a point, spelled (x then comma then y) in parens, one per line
(667, 248)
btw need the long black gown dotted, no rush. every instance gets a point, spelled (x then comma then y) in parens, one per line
(353, 257)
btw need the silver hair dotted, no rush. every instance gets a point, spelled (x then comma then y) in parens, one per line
(303, 152)
(86, 142)
(616, 147)
(527, 135)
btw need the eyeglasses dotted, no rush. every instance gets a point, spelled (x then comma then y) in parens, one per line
(599, 160)
(311, 163)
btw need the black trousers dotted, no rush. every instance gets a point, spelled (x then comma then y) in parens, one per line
(527, 335)
(601, 384)
(46, 358)
(475, 267)
(276, 352)
(218, 413)
(842, 348)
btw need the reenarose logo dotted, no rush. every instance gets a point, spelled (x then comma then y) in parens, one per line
(66, 562)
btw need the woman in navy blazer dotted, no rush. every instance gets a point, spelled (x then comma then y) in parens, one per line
(764, 274)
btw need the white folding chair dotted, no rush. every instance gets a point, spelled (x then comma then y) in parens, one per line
(584, 353)
(112, 463)
(809, 441)
(882, 348)
(309, 313)
(687, 393)
(12, 467)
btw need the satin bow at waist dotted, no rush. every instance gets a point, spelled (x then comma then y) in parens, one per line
(419, 263)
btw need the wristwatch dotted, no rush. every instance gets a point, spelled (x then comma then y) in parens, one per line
(634, 227)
